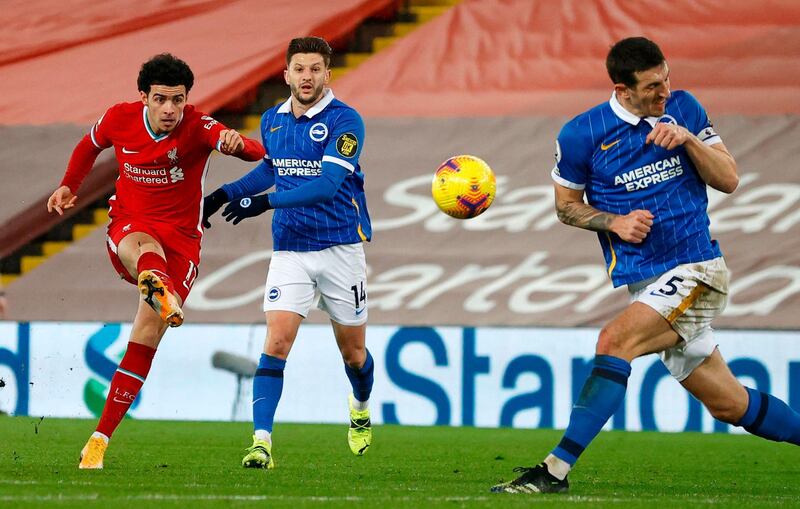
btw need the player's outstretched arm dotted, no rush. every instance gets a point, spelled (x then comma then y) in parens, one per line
(572, 210)
(315, 191)
(80, 164)
(258, 180)
(61, 199)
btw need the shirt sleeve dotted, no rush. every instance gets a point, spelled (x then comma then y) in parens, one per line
(98, 138)
(346, 141)
(208, 132)
(101, 133)
(701, 125)
(315, 191)
(208, 129)
(259, 179)
(573, 158)
(80, 163)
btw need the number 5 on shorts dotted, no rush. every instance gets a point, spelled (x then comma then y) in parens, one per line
(669, 286)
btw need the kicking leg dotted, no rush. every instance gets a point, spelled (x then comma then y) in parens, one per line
(144, 258)
(729, 401)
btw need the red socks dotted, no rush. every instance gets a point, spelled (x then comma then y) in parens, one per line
(135, 364)
(125, 385)
(156, 263)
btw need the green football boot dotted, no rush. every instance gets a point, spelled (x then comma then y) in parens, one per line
(359, 435)
(259, 455)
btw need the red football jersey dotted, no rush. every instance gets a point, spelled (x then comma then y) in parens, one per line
(160, 176)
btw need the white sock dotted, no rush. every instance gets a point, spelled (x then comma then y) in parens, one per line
(360, 405)
(557, 467)
(262, 434)
(97, 434)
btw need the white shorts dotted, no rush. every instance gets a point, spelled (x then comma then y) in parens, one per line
(689, 297)
(336, 276)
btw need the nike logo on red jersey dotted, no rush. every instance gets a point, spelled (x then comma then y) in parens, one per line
(126, 151)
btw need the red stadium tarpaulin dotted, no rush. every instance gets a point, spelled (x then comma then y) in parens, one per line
(532, 57)
(35, 28)
(515, 265)
(67, 62)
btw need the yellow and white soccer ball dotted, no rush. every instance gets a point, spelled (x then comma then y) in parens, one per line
(463, 186)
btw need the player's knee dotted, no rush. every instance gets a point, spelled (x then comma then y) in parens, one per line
(148, 247)
(279, 347)
(354, 356)
(727, 411)
(610, 343)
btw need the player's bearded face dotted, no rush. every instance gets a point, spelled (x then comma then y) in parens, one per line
(307, 76)
(649, 97)
(164, 106)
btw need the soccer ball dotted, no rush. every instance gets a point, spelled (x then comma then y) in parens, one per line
(463, 186)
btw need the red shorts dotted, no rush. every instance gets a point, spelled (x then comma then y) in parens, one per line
(182, 251)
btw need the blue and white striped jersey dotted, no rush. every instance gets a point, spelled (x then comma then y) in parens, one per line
(330, 132)
(603, 152)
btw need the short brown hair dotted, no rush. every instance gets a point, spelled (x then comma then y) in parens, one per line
(309, 45)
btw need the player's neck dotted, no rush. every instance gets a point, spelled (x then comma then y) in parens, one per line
(299, 109)
(153, 128)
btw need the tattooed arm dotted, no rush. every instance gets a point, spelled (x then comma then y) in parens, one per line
(572, 210)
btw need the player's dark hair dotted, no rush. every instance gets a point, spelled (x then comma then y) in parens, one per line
(165, 69)
(309, 45)
(632, 55)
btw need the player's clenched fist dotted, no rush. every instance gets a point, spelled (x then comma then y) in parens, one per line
(231, 141)
(61, 199)
(668, 136)
(634, 226)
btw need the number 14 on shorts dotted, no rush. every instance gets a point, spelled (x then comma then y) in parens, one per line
(360, 296)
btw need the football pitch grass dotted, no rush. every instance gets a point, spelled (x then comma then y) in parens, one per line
(197, 464)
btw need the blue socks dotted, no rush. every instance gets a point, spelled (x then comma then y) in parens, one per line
(268, 385)
(604, 390)
(361, 379)
(600, 397)
(267, 388)
(770, 418)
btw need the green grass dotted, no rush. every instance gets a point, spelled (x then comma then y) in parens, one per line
(182, 464)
